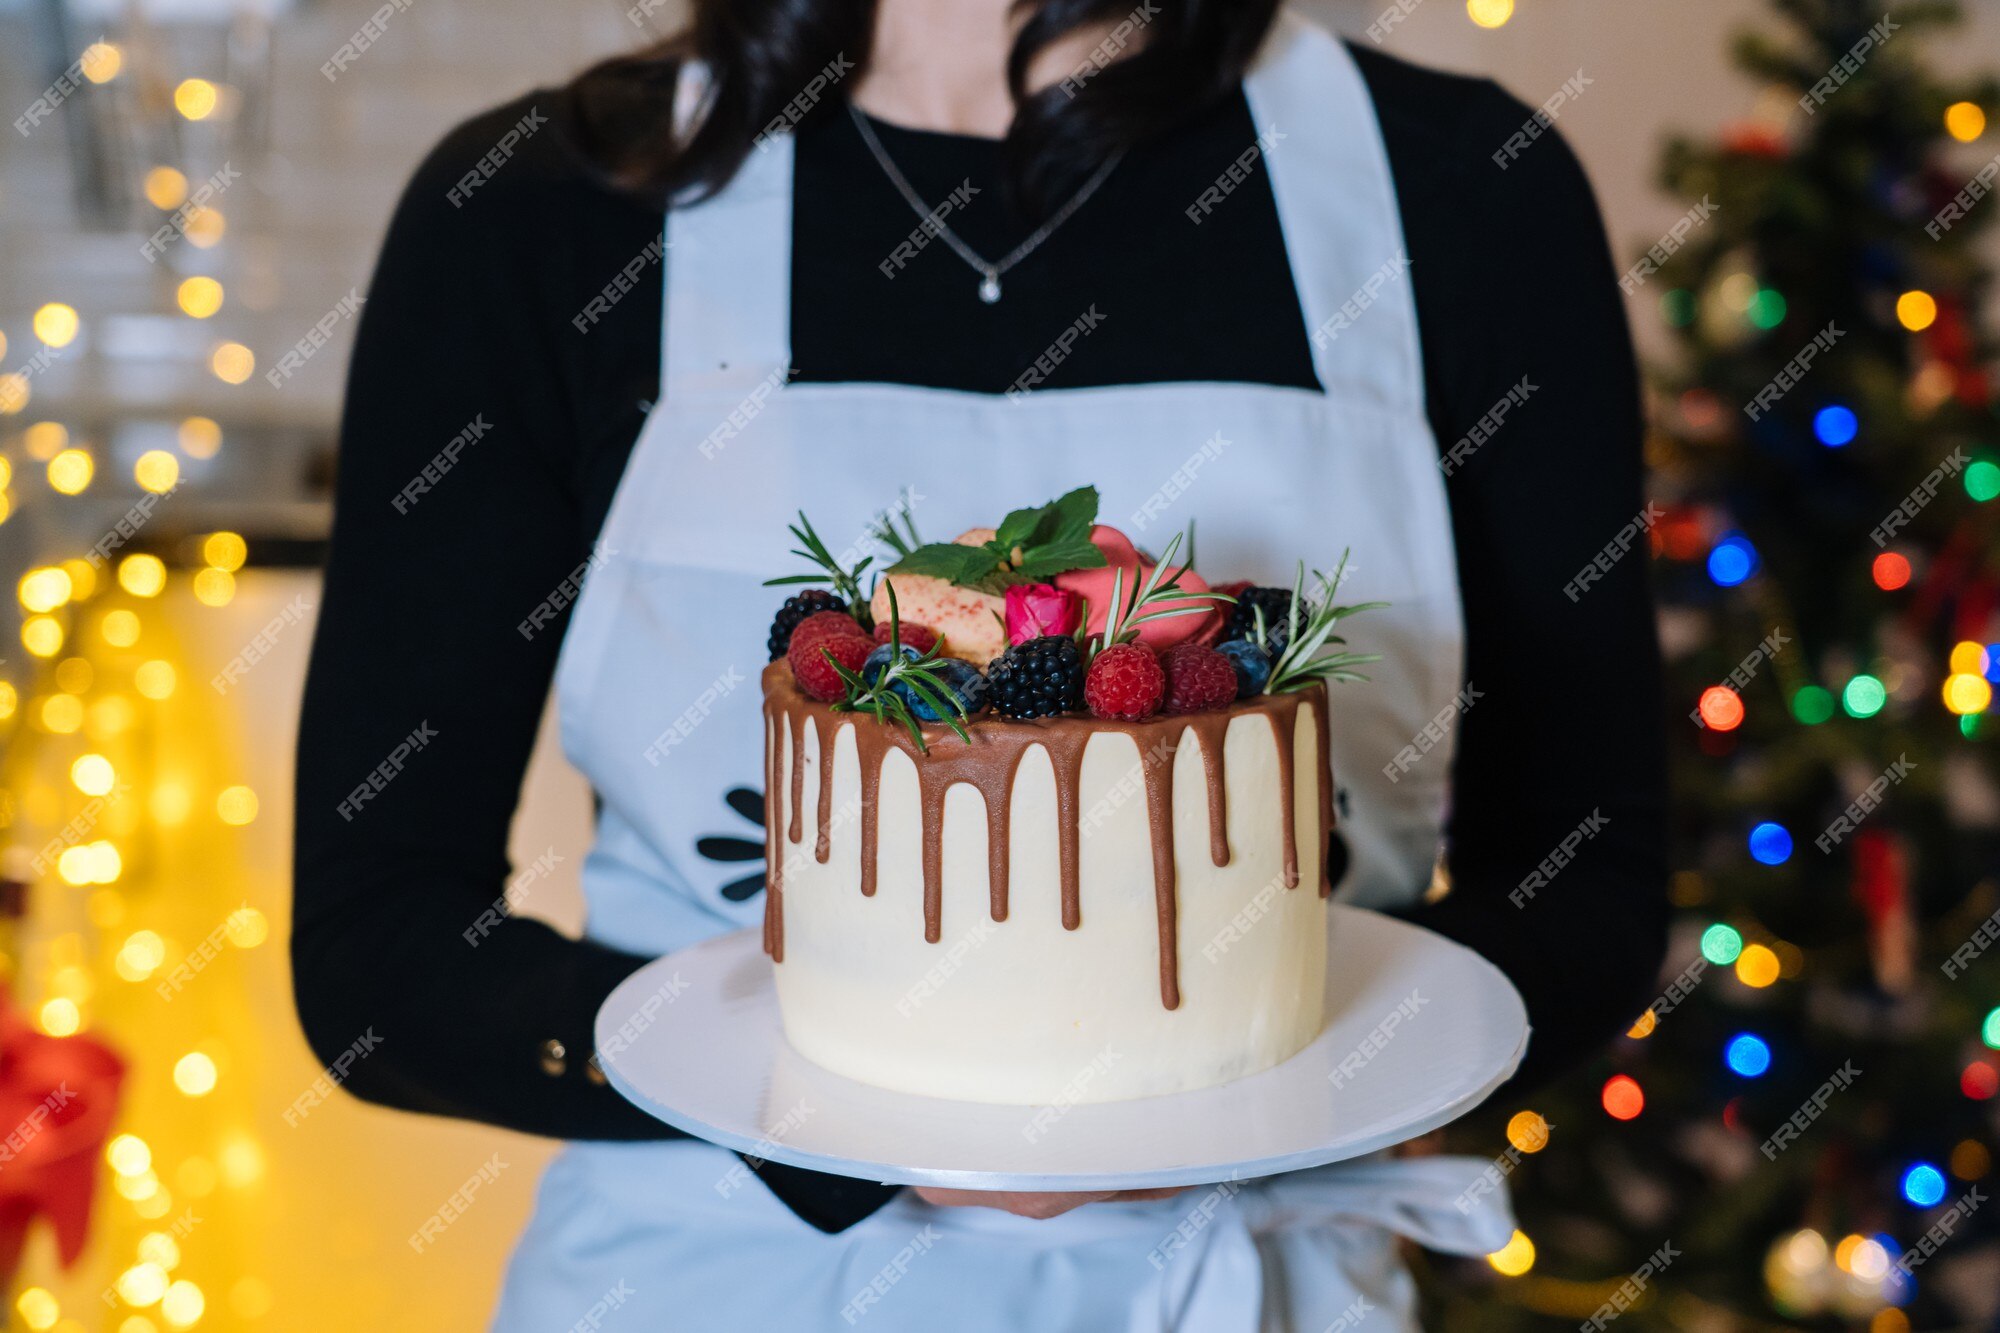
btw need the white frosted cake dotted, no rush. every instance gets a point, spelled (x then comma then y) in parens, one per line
(1045, 818)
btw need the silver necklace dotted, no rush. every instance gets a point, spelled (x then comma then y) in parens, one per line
(989, 272)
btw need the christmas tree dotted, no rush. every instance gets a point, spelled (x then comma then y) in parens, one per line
(1799, 1132)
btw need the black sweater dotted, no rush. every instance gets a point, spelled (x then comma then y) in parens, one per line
(469, 317)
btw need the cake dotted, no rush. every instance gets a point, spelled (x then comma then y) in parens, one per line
(989, 886)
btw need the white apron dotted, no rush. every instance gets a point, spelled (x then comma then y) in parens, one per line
(658, 695)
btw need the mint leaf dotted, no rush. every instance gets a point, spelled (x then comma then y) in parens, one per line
(1043, 563)
(969, 566)
(1075, 514)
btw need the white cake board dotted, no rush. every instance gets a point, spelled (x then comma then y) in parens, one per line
(712, 1060)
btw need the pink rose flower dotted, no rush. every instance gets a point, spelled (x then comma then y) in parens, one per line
(1037, 610)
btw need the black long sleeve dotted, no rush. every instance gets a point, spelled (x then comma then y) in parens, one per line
(468, 330)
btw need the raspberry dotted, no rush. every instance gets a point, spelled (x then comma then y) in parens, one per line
(1198, 678)
(827, 624)
(796, 609)
(1126, 682)
(920, 637)
(811, 669)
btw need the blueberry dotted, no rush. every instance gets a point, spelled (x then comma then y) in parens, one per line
(872, 666)
(1253, 665)
(964, 682)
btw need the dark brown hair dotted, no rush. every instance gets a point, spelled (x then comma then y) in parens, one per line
(1169, 59)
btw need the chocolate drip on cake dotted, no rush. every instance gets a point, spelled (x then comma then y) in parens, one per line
(989, 765)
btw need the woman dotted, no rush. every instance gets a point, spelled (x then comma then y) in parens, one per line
(984, 256)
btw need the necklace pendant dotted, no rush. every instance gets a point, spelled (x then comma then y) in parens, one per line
(989, 288)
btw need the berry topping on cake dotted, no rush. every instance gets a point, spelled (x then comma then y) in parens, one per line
(1126, 682)
(1039, 678)
(961, 679)
(1275, 603)
(1252, 665)
(920, 637)
(827, 624)
(815, 673)
(1198, 678)
(794, 611)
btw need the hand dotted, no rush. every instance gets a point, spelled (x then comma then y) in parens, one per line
(1038, 1206)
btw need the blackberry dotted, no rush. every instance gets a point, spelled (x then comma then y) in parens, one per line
(1040, 678)
(796, 609)
(1276, 603)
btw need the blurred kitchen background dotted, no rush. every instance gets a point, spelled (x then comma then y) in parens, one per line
(133, 390)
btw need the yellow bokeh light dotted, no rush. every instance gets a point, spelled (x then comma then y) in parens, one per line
(236, 805)
(248, 927)
(142, 1284)
(1964, 121)
(101, 862)
(194, 1075)
(203, 227)
(45, 439)
(1757, 966)
(129, 1155)
(242, 1162)
(171, 803)
(183, 1304)
(101, 62)
(232, 362)
(59, 1017)
(1967, 656)
(138, 1323)
(1528, 1131)
(155, 1203)
(251, 1297)
(1970, 1160)
(225, 550)
(200, 297)
(1916, 310)
(82, 578)
(9, 700)
(109, 716)
(200, 437)
(6, 474)
(1489, 14)
(70, 471)
(165, 188)
(140, 956)
(42, 635)
(44, 589)
(120, 628)
(1514, 1258)
(56, 324)
(157, 1247)
(14, 393)
(157, 471)
(214, 587)
(38, 1309)
(1967, 693)
(62, 713)
(93, 774)
(142, 575)
(155, 679)
(195, 98)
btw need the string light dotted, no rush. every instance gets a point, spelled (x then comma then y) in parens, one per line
(225, 550)
(1489, 13)
(236, 805)
(1747, 1055)
(1767, 308)
(200, 437)
(1514, 1258)
(199, 297)
(1916, 310)
(1890, 571)
(1757, 966)
(194, 1075)
(165, 188)
(93, 774)
(1864, 696)
(1836, 426)
(195, 98)
(14, 393)
(157, 471)
(100, 62)
(203, 227)
(1964, 121)
(1644, 1027)
(232, 362)
(1528, 1131)
(37, 1308)
(1721, 708)
(42, 635)
(1622, 1097)
(44, 589)
(70, 471)
(1989, 1028)
(214, 587)
(1720, 944)
(1982, 480)
(56, 324)
(1812, 705)
(1966, 693)
(119, 628)
(59, 1017)
(142, 575)
(155, 679)
(1979, 1081)
(1771, 844)
(1923, 1185)
(45, 439)
(1970, 1160)
(1732, 560)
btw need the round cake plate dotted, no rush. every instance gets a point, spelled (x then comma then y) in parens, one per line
(1422, 1031)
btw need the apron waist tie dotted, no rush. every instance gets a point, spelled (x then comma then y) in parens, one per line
(1211, 1278)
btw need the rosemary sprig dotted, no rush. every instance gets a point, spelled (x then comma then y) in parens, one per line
(1305, 659)
(845, 582)
(885, 703)
(902, 543)
(1121, 622)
